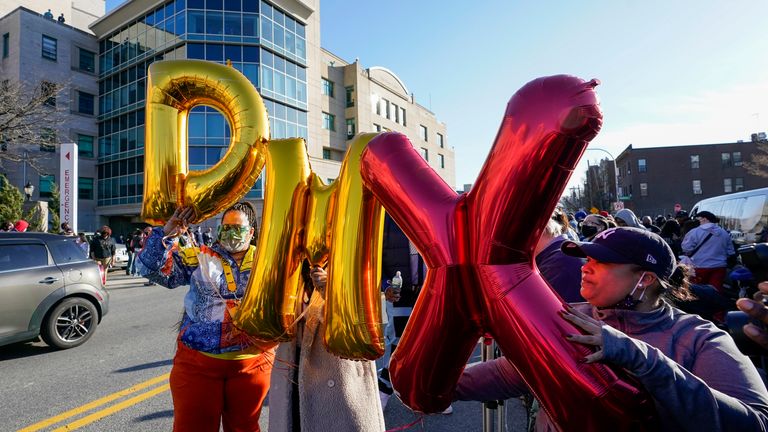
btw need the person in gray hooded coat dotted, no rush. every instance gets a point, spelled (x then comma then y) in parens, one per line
(627, 218)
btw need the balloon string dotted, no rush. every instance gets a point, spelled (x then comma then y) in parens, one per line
(409, 425)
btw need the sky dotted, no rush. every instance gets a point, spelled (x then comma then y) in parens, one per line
(672, 72)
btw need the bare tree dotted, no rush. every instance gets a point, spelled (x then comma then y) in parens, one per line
(29, 119)
(758, 163)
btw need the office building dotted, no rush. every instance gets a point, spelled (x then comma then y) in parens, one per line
(652, 180)
(39, 52)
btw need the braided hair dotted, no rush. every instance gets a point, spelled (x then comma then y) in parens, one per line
(250, 212)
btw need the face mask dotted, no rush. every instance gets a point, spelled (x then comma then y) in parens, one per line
(588, 230)
(629, 302)
(234, 238)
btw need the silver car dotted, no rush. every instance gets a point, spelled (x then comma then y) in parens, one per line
(48, 287)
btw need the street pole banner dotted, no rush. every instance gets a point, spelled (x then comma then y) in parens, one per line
(68, 186)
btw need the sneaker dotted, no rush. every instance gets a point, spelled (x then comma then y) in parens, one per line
(448, 411)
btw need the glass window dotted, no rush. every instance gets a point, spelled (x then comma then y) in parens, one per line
(350, 91)
(85, 103)
(85, 188)
(727, 185)
(6, 44)
(196, 51)
(49, 88)
(196, 22)
(643, 189)
(266, 29)
(250, 25)
(232, 24)
(329, 121)
(45, 186)
(738, 184)
(694, 161)
(216, 124)
(697, 187)
(725, 159)
(327, 87)
(49, 47)
(641, 165)
(440, 141)
(48, 139)
(214, 52)
(214, 4)
(737, 159)
(441, 159)
(233, 53)
(17, 257)
(424, 153)
(326, 154)
(214, 23)
(423, 132)
(402, 116)
(197, 155)
(350, 128)
(85, 145)
(250, 54)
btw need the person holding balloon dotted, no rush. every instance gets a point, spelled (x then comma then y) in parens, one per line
(220, 375)
(315, 391)
(695, 375)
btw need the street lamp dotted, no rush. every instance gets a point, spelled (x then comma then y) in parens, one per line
(29, 189)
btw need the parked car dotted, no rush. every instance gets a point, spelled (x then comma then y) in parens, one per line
(121, 254)
(48, 288)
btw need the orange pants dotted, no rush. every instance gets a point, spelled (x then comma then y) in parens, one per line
(208, 391)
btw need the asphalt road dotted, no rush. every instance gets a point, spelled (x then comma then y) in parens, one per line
(117, 381)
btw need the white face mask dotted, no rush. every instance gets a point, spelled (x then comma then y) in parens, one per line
(629, 301)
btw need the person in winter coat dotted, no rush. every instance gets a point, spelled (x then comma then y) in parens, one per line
(709, 247)
(314, 390)
(627, 218)
(220, 375)
(697, 378)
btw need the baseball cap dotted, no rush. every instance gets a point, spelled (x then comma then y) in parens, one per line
(626, 245)
(681, 214)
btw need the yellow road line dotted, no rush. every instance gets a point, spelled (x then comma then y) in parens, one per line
(113, 409)
(97, 403)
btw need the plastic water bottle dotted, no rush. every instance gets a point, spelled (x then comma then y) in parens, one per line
(397, 282)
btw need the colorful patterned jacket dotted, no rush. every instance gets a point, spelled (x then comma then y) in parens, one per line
(211, 300)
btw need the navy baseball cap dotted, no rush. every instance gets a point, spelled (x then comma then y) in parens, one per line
(626, 245)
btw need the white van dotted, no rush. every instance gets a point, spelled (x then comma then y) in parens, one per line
(743, 214)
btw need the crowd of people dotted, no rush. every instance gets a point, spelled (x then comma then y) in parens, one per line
(622, 276)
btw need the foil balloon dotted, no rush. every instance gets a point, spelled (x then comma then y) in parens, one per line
(339, 225)
(478, 248)
(174, 88)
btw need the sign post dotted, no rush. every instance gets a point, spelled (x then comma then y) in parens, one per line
(68, 186)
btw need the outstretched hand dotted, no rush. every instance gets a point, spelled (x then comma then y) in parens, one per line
(593, 328)
(179, 221)
(756, 310)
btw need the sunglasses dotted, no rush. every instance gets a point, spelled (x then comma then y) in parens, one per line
(234, 230)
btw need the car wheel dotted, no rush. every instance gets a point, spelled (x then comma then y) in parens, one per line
(70, 323)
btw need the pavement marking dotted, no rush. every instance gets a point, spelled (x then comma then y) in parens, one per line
(97, 403)
(98, 415)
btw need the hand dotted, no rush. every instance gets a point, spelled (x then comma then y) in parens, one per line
(179, 221)
(757, 311)
(391, 295)
(319, 277)
(593, 328)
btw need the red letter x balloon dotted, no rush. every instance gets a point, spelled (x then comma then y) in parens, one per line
(478, 248)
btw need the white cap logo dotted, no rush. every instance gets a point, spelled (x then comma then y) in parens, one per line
(604, 234)
(650, 259)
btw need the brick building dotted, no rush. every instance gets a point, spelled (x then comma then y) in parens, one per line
(652, 180)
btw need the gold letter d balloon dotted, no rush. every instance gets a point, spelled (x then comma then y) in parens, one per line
(338, 224)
